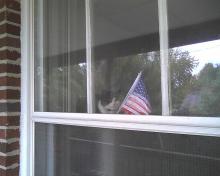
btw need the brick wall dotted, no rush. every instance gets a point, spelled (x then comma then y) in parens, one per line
(9, 86)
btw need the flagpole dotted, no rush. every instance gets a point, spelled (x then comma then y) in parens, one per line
(131, 89)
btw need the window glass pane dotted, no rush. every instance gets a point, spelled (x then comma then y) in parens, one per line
(60, 57)
(82, 151)
(194, 40)
(125, 41)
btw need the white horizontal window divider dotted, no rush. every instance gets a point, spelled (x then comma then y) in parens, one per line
(166, 124)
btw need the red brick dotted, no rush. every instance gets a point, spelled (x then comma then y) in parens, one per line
(8, 81)
(12, 146)
(9, 120)
(12, 160)
(3, 172)
(13, 17)
(3, 16)
(11, 55)
(9, 41)
(10, 29)
(2, 3)
(9, 172)
(6, 147)
(14, 42)
(13, 133)
(9, 68)
(3, 133)
(2, 160)
(13, 29)
(10, 16)
(9, 94)
(9, 133)
(8, 160)
(12, 4)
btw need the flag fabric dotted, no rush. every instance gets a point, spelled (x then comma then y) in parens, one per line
(137, 100)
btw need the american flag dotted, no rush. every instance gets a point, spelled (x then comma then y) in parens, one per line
(137, 100)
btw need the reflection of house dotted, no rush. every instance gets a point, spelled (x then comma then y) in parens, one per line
(72, 53)
(189, 104)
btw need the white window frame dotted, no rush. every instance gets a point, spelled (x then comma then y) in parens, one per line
(207, 126)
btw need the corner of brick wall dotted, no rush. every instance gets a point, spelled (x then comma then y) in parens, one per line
(9, 86)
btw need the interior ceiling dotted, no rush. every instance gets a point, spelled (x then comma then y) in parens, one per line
(116, 20)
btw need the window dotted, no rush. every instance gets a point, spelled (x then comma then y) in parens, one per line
(121, 45)
(194, 57)
(84, 57)
(60, 56)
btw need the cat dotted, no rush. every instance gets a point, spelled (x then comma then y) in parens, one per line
(110, 108)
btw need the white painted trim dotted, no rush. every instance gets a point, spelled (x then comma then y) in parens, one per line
(32, 148)
(164, 59)
(25, 121)
(90, 87)
(165, 124)
(31, 124)
(32, 54)
(191, 130)
(144, 119)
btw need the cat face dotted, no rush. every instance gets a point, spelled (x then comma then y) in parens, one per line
(110, 108)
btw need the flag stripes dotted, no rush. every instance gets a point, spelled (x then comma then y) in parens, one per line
(136, 102)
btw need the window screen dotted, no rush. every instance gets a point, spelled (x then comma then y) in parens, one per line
(85, 151)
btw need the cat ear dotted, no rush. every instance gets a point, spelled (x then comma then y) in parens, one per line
(113, 100)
